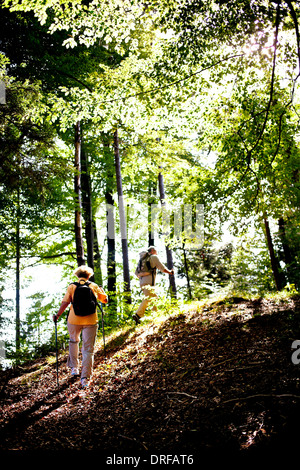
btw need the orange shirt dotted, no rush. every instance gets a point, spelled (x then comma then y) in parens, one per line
(88, 319)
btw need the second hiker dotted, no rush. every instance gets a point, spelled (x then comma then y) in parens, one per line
(146, 272)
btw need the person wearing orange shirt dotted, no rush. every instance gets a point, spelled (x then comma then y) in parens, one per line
(86, 325)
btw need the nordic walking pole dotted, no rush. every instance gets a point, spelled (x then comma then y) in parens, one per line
(56, 348)
(101, 308)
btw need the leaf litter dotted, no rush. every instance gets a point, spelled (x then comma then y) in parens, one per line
(212, 376)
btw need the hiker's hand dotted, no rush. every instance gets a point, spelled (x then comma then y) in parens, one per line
(171, 272)
(55, 318)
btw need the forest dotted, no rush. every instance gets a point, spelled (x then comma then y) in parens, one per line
(125, 125)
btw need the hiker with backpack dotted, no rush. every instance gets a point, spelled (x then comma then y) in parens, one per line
(146, 272)
(82, 319)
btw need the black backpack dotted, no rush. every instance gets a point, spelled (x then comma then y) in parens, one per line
(84, 300)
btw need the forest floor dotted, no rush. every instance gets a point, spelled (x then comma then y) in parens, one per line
(214, 378)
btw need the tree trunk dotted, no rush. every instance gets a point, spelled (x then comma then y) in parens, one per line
(126, 274)
(87, 208)
(151, 200)
(288, 258)
(187, 273)
(18, 257)
(78, 202)
(110, 220)
(273, 259)
(111, 247)
(170, 264)
(97, 257)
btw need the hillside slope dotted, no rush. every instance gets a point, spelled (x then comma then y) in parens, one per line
(217, 376)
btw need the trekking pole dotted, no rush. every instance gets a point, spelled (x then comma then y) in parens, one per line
(56, 348)
(101, 308)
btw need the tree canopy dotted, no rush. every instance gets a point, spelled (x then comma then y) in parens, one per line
(104, 98)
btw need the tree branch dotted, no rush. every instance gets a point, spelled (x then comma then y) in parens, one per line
(183, 393)
(272, 80)
(68, 253)
(75, 79)
(279, 138)
(294, 17)
(262, 395)
(175, 82)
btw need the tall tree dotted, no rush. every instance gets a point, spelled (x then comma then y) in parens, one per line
(170, 264)
(109, 171)
(290, 249)
(18, 272)
(151, 200)
(78, 197)
(122, 216)
(274, 262)
(111, 245)
(187, 273)
(87, 208)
